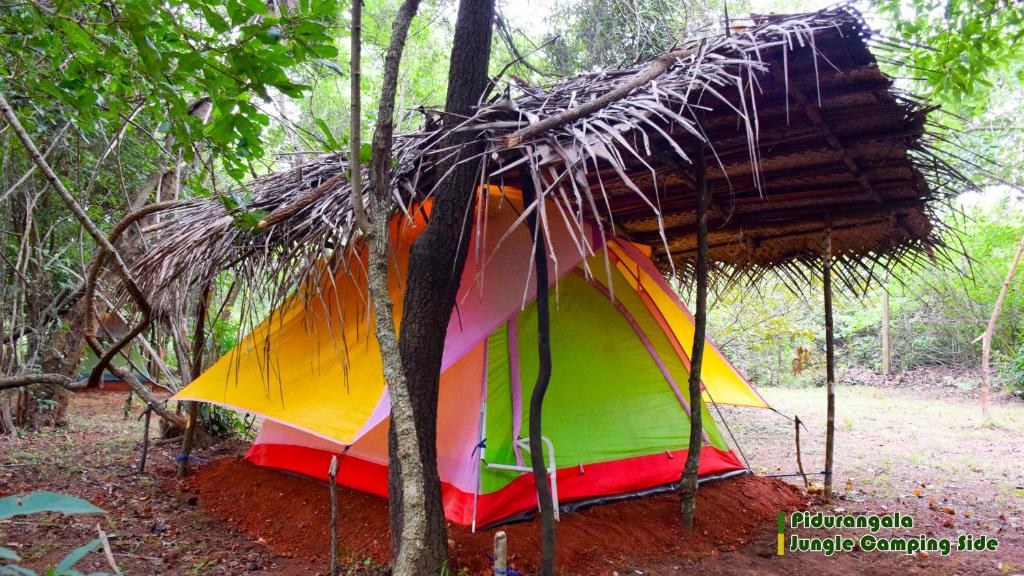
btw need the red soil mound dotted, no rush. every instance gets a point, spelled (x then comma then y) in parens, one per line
(292, 515)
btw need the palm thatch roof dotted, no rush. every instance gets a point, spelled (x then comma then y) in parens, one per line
(802, 128)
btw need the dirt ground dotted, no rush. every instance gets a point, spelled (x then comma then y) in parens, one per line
(919, 452)
(594, 540)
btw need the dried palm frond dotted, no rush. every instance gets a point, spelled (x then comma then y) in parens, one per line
(803, 130)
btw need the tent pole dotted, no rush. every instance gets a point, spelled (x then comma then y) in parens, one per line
(729, 430)
(481, 459)
(540, 471)
(830, 363)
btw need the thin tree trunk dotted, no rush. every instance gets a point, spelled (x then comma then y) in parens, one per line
(436, 262)
(540, 473)
(830, 363)
(63, 348)
(419, 542)
(986, 338)
(886, 350)
(198, 346)
(105, 248)
(688, 481)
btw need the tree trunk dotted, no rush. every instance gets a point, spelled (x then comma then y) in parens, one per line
(830, 363)
(986, 338)
(688, 481)
(436, 261)
(195, 369)
(540, 473)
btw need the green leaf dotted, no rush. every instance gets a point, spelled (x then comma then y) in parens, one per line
(76, 555)
(213, 18)
(250, 220)
(36, 502)
(229, 202)
(328, 136)
(8, 554)
(365, 153)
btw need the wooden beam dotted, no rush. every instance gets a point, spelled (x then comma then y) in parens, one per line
(656, 68)
(742, 219)
(756, 238)
(813, 114)
(886, 350)
(830, 363)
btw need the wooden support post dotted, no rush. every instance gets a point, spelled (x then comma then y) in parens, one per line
(886, 350)
(830, 363)
(688, 479)
(500, 553)
(332, 474)
(799, 460)
(540, 471)
(145, 438)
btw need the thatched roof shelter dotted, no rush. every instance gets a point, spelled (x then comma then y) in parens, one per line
(803, 132)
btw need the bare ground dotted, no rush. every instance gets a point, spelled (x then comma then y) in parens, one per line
(912, 451)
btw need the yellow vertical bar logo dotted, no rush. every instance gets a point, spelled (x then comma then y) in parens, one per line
(782, 534)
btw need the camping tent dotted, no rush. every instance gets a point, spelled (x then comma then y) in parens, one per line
(616, 413)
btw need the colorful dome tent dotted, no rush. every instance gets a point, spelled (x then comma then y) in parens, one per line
(616, 413)
(814, 161)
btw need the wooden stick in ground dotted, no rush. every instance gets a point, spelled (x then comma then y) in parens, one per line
(500, 553)
(830, 363)
(886, 350)
(986, 338)
(107, 552)
(332, 473)
(145, 438)
(799, 461)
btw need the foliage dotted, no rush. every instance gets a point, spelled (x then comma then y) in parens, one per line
(1013, 367)
(968, 57)
(760, 329)
(220, 422)
(936, 314)
(103, 64)
(41, 502)
(958, 47)
(109, 89)
(602, 33)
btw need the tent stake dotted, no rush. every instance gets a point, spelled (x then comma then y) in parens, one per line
(500, 552)
(799, 462)
(332, 473)
(830, 363)
(145, 438)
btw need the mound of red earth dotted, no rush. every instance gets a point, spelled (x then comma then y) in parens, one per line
(291, 514)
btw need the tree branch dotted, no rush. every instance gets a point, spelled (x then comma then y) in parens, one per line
(29, 379)
(105, 247)
(658, 67)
